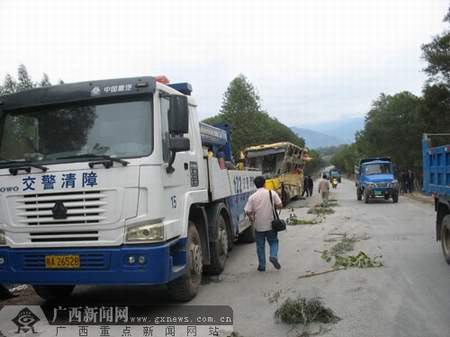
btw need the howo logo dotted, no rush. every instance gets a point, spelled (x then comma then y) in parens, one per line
(25, 320)
(4, 189)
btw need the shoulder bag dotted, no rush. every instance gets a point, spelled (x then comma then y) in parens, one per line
(278, 225)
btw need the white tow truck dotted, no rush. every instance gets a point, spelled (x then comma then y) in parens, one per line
(115, 182)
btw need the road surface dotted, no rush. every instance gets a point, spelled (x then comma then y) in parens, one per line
(409, 296)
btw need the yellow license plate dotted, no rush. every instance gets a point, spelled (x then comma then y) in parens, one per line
(62, 262)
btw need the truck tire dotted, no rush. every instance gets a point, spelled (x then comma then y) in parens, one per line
(248, 236)
(395, 198)
(218, 249)
(358, 194)
(366, 196)
(445, 237)
(185, 288)
(53, 292)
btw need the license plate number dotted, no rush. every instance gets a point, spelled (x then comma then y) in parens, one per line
(62, 262)
(379, 193)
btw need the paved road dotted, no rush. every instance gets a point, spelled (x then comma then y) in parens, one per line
(409, 296)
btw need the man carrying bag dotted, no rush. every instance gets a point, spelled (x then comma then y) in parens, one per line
(261, 209)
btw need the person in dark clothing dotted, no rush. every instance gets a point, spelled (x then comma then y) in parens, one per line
(411, 178)
(310, 185)
(404, 180)
(305, 187)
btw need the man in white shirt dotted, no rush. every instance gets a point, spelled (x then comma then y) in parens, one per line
(260, 211)
(324, 189)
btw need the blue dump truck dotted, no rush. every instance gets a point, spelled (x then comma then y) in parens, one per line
(375, 179)
(436, 181)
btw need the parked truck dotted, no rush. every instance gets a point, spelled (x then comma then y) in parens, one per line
(115, 182)
(436, 181)
(375, 179)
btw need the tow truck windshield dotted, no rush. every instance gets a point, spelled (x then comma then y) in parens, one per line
(62, 134)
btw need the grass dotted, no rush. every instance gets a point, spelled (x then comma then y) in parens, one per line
(305, 311)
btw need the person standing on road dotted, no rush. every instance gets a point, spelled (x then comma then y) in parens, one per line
(259, 210)
(324, 189)
(305, 187)
(310, 185)
(411, 178)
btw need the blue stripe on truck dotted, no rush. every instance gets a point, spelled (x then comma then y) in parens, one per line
(100, 265)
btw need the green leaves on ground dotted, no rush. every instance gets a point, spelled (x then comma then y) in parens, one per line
(321, 210)
(305, 311)
(293, 220)
(360, 260)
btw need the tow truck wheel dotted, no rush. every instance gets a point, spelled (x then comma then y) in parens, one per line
(219, 249)
(445, 238)
(53, 292)
(185, 288)
(358, 194)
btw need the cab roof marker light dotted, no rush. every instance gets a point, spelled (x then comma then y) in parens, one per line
(162, 79)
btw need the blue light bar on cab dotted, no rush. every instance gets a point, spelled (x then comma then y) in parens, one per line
(185, 88)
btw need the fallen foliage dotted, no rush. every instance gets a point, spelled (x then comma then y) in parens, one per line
(320, 210)
(305, 311)
(293, 220)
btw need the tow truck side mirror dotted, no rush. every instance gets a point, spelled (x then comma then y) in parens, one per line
(178, 118)
(178, 115)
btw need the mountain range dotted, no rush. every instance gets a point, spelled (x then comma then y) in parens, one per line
(329, 133)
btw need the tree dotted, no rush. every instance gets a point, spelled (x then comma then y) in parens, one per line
(437, 54)
(241, 109)
(24, 80)
(45, 81)
(9, 85)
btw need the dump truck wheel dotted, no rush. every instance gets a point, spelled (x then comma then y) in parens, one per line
(445, 238)
(185, 288)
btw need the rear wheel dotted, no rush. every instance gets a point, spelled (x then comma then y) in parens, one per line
(219, 248)
(445, 238)
(186, 287)
(53, 292)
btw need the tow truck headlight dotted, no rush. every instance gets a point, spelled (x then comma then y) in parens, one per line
(2, 238)
(146, 233)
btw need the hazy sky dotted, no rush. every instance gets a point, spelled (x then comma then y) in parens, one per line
(311, 60)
